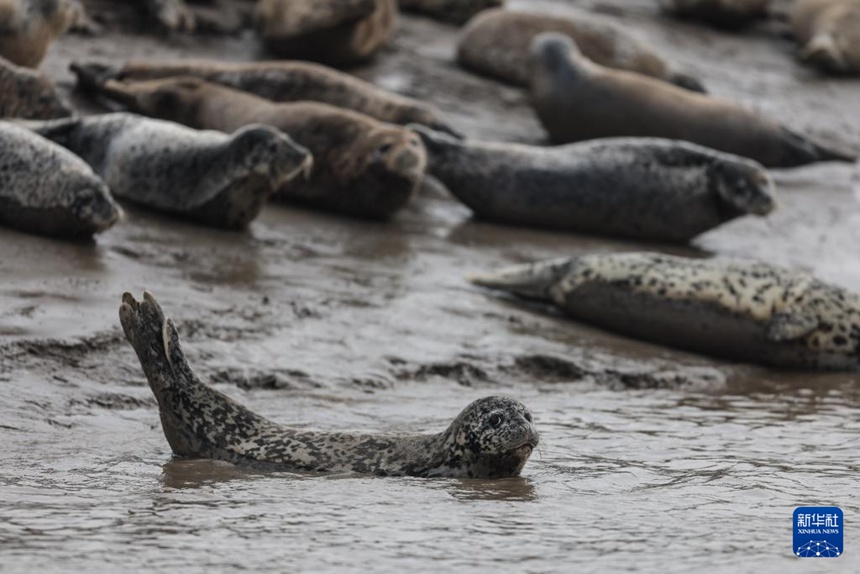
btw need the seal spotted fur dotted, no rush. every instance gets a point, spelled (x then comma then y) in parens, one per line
(491, 438)
(26, 93)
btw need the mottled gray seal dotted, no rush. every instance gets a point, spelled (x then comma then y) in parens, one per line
(279, 81)
(720, 13)
(743, 310)
(453, 11)
(337, 32)
(362, 167)
(26, 93)
(204, 176)
(491, 438)
(46, 189)
(577, 99)
(497, 43)
(638, 188)
(829, 33)
(27, 27)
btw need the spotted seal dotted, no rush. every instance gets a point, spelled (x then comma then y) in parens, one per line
(28, 27)
(337, 32)
(279, 81)
(829, 32)
(204, 176)
(496, 43)
(48, 190)
(577, 99)
(720, 13)
(491, 438)
(26, 93)
(743, 310)
(453, 11)
(638, 188)
(362, 167)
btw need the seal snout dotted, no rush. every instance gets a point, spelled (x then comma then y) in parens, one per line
(746, 186)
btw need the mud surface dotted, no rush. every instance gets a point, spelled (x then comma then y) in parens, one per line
(652, 458)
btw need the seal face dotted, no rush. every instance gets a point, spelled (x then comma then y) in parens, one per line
(26, 93)
(729, 14)
(48, 190)
(205, 176)
(28, 27)
(736, 309)
(629, 187)
(453, 11)
(577, 99)
(829, 34)
(491, 438)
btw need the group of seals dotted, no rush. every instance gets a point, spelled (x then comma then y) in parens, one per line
(829, 32)
(453, 11)
(577, 99)
(636, 188)
(26, 93)
(27, 27)
(721, 13)
(491, 438)
(744, 310)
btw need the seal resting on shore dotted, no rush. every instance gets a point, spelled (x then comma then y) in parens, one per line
(26, 93)
(362, 167)
(829, 33)
(639, 188)
(577, 99)
(279, 81)
(204, 176)
(497, 43)
(453, 11)
(337, 32)
(491, 438)
(742, 310)
(28, 27)
(729, 14)
(47, 189)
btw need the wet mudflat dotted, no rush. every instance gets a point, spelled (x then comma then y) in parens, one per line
(651, 458)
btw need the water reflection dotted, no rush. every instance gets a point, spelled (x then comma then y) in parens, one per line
(513, 489)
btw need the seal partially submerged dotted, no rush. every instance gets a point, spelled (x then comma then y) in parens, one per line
(577, 99)
(26, 93)
(28, 27)
(829, 33)
(491, 438)
(455, 12)
(743, 310)
(721, 13)
(638, 188)
(205, 176)
(48, 190)
(497, 42)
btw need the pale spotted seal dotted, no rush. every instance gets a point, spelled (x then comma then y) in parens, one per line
(829, 33)
(453, 11)
(26, 93)
(638, 188)
(46, 189)
(497, 42)
(337, 32)
(744, 310)
(27, 27)
(279, 81)
(491, 438)
(577, 99)
(362, 167)
(204, 176)
(720, 13)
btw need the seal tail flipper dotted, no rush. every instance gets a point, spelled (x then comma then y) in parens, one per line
(143, 325)
(822, 52)
(531, 281)
(92, 75)
(800, 150)
(687, 82)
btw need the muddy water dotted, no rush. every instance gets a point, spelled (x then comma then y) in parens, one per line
(651, 458)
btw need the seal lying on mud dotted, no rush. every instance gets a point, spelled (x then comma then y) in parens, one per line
(362, 167)
(720, 13)
(492, 438)
(26, 93)
(577, 99)
(453, 11)
(27, 27)
(279, 81)
(337, 32)
(48, 190)
(638, 188)
(829, 31)
(742, 310)
(205, 176)
(497, 42)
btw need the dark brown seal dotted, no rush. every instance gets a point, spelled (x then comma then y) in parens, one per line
(26, 93)
(730, 14)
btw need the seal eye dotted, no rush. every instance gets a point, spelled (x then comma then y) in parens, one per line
(528, 417)
(495, 420)
(384, 148)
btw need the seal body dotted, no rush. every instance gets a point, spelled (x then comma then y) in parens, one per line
(48, 190)
(638, 188)
(25, 93)
(497, 42)
(279, 81)
(205, 176)
(453, 11)
(491, 438)
(829, 33)
(720, 13)
(577, 99)
(362, 167)
(28, 27)
(337, 32)
(741, 310)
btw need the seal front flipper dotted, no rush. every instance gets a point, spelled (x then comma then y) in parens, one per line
(790, 326)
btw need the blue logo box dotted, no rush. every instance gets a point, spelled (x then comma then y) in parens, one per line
(819, 532)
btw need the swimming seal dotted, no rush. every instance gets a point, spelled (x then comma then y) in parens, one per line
(730, 14)
(279, 81)
(742, 310)
(204, 176)
(829, 33)
(496, 43)
(577, 99)
(48, 190)
(336, 32)
(652, 189)
(28, 27)
(362, 167)
(26, 93)
(453, 11)
(491, 438)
